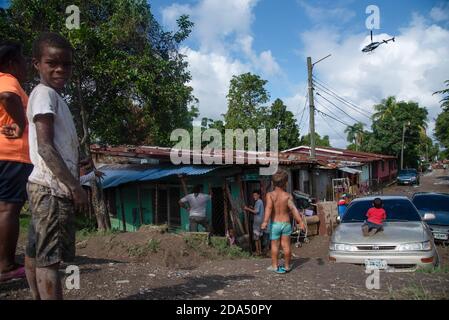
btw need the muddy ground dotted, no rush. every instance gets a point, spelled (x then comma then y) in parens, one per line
(151, 264)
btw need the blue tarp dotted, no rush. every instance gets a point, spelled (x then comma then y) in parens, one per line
(115, 177)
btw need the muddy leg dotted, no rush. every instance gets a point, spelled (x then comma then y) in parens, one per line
(9, 234)
(30, 269)
(274, 253)
(49, 282)
(285, 243)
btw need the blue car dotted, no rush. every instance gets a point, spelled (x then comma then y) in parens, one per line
(408, 176)
(438, 205)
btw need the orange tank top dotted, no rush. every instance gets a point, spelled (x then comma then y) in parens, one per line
(13, 149)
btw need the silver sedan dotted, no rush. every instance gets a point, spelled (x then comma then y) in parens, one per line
(405, 243)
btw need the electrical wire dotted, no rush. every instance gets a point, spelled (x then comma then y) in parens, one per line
(327, 89)
(331, 127)
(347, 114)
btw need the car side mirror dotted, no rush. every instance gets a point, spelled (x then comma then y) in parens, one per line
(428, 216)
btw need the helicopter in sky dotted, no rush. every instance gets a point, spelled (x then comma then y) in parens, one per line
(373, 45)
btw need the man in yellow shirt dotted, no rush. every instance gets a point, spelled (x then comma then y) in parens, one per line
(15, 164)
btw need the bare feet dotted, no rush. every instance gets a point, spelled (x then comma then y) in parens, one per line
(365, 231)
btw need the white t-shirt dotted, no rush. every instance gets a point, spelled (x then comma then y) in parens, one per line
(197, 204)
(45, 100)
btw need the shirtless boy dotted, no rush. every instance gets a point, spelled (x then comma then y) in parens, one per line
(279, 206)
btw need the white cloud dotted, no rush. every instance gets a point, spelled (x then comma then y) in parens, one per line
(263, 62)
(324, 13)
(217, 22)
(412, 68)
(440, 13)
(225, 48)
(211, 74)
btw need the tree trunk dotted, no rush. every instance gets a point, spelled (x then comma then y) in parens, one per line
(98, 199)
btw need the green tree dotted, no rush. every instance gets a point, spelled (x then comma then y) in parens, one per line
(445, 93)
(442, 121)
(129, 78)
(355, 135)
(319, 141)
(246, 98)
(442, 129)
(129, 81)
(387, 127)
(278, 117)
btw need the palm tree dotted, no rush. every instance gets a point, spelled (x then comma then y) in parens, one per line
(355, 134)
(387, 106)
(445, 100)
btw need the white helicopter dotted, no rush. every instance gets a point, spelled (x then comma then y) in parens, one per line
(374, 45)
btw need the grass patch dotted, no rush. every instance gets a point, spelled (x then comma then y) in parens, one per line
(416, 292)
(197, 241)
(224, 249)
(152, 246)
(437, 270)
(200, 244)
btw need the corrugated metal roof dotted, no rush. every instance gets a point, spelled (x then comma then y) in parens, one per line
(350, 170)
(117, 175)
(248, 157)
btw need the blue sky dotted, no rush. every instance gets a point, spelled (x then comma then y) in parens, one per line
(278, 24)
(272, 38)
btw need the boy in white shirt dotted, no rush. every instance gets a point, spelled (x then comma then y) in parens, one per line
(54, 191)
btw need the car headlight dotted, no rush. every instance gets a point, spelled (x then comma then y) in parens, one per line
(417, 246)
(413, 178)
(342, 247)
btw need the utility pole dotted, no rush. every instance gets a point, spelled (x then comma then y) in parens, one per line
(311, 109)
(402, 147)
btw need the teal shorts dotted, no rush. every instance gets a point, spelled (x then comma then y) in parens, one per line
(279, 229)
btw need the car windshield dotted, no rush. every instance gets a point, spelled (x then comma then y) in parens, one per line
(396, 209)
(407, 172)
(434, 202)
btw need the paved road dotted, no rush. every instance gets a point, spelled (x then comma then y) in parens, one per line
(313, 277)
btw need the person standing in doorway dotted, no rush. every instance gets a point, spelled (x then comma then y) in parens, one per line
(195, 203)
(258, 212)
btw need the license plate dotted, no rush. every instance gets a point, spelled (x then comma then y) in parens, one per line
(440, 236)
(376, 264)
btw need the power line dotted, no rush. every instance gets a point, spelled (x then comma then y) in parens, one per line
(324, 106)
(332, 92)
(306, 124)
(303, 110)
(306, 96)
(339, 99)
(338, 120)
(356, 120)
(332, 128)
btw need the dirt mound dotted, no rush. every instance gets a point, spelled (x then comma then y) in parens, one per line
(155, 245)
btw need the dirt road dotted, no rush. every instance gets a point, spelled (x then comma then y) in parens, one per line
(105, 276)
